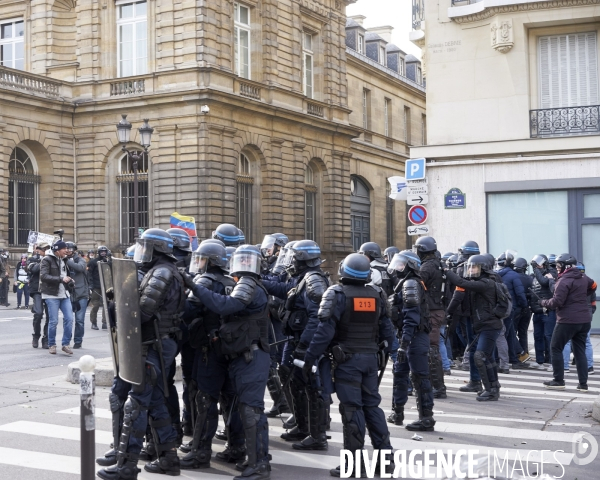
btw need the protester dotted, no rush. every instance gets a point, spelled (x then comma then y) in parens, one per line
(21, 278)
(39, 305)
(4, 274)
(77, 270)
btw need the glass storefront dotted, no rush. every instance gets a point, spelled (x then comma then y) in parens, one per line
(547, 222)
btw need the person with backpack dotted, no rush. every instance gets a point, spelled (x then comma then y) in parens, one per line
(489, 304)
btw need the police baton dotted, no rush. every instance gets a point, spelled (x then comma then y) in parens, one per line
(87, 390)
(383, 359)
(287, 339)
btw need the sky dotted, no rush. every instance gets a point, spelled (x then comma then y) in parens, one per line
(397, 13)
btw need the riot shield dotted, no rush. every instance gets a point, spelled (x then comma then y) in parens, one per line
(106, 284)
(129, 329)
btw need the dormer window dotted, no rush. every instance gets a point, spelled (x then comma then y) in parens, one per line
(361, 44)
(382, 55)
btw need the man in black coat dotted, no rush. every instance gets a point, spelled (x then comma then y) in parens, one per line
(94, 282)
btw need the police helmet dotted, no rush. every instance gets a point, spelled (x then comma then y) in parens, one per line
(453, 261)
(552, 259)
(281, 239)
(539, 260)
(491, 261)
(355, 268)
(284, 259)
(389, 253)
(103, 251)
(506, 259)
(308, 252)
(476, 265)
(213, 240)
(581, 267)
(406, 258)
(71, 247)
(208, 254)
(447, 255)
(425, 245)
(181, 239)
(521, 265)
(229, 234)
(246, 260)
(564, 261)
(153, 240)
(371, 250)
(469, 248)
(242, 236)
(229, 251)
(130, 252)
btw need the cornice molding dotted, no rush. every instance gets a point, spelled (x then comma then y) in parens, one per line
(489, 12)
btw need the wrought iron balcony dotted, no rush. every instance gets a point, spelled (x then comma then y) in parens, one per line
(464, 2)
(418, 13)
(564, 122)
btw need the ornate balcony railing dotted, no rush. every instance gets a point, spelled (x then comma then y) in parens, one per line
(250, 91)
(128, 87)
(314, 109)
(564, 122)
(19, 80)
(464, 2)
(418, 13)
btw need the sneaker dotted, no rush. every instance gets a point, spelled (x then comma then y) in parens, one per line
(67, 350)
(448, 372)
(52, 350)
(505, 371)
(591, 371)
(567, 370)
(452, 364)
(554, 385)
(519, 365)
(77, 345)
(582, 388)
(523, 357)
(537, 366)
(94, 326)
(549, 368)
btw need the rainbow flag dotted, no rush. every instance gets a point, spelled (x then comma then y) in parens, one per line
(185, 223)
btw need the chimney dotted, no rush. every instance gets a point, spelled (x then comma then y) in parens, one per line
(384, 32)
(358, 19)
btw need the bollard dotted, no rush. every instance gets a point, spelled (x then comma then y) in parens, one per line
(87, 390)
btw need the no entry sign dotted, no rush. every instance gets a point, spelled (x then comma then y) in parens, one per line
(417, 214)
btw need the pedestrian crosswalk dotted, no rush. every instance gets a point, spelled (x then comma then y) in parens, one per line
(526, 418)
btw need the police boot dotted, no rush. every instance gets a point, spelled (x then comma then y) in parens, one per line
(426, 421)
(312, 443)
(148, 453)
(232, 454)
(294, 435)
(167, 464)
(436, 373)
(318, 419)
(335, 472)
(125, 469)
(221, 435)
(258, 465)
(256, 472)
(493, 394)
(187, 428)
(276, 391)
(472, 387)
(300, 399)
(185, 447)
(289, 423)
(197, 458)
(424, 424)
(397, 415)
(109, 458)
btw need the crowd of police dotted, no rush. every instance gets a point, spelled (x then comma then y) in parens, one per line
(250, 318)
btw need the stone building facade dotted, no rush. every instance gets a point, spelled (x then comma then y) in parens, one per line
(283, 148)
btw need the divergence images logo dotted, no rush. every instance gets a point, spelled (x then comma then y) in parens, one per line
(585, 448)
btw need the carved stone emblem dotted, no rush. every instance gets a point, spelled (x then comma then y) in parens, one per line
(502, 35)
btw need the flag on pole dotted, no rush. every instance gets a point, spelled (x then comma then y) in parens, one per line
(185, 223)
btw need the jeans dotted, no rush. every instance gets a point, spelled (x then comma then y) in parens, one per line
(502, 349)
(539, 338)
(443, 349)
(521, 326)
(473, 372)
(80, 320)
(589, 353)
(511, 337)
(578, 333)
(64, 305)
(20, 292)
(486, 343)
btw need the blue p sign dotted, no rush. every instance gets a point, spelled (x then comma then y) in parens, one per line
(415, 169)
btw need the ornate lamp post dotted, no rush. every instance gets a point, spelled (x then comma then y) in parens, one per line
(124, 133)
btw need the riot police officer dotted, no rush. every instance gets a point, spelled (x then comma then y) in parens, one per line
(412, 313)
(379, 275)
(484, 294)
(162, 296)
(94, 281)
(244, 340)
(354, 316)
(389, 253)
(302, 293)
(433, 277)
(211, 381)
(544, 320)
(227, 233)
(524, 317)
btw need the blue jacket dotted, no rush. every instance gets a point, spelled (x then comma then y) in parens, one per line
(226, 305)
(513, 282)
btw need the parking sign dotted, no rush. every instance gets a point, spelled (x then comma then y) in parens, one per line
(415, 169)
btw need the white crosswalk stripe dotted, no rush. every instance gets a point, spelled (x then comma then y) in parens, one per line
(458, 427)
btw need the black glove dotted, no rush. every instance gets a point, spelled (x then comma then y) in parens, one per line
(402, 352)
(188, 282)
(110, 294)
(449, 318)
(299, 353)
(306, 369)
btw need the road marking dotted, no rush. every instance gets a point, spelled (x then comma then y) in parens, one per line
(53, 431)
(39, 460)
(537, 383)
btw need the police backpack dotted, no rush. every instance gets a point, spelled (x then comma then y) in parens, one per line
(503, 301)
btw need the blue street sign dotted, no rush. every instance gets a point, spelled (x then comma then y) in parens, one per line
(417, 214)
(455, 198)
(415, 169)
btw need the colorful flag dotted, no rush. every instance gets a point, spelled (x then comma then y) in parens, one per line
(188, 224)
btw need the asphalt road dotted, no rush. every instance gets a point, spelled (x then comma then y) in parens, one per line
(39, 422)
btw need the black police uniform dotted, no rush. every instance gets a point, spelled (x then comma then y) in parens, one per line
(355, 319)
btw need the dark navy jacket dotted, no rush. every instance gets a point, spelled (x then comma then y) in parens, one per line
(226, 305)
(410, 317)
(513, 282)
(325, 331)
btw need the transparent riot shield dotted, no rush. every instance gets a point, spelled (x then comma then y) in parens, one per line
(106, 285)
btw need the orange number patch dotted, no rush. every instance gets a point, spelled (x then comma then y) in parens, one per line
(364, 304)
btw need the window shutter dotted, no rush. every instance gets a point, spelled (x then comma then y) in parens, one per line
(592, 68)
(545, 100)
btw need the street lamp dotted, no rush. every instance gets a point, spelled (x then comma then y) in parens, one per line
(124, 133)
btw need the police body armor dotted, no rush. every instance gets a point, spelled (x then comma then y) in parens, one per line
(358, 329)
(203, 328)
(415, 290)
(295, 319)
(387, 284)
(238, 332)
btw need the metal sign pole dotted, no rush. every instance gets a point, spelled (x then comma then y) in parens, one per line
(87, 390)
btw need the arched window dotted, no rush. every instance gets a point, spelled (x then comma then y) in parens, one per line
(127, 199)
(310, 204)
(360, 212)
(243, 200)
(22, 197)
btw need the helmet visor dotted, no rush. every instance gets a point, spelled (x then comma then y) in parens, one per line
(473, 270)
(247, 261)
(267, 247)
(538, 260)
(143, 251)
(199, 263)
(398, 263)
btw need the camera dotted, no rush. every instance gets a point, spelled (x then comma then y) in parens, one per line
(60, 232)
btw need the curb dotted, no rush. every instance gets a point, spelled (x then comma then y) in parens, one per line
(596, 409)
(105, 373)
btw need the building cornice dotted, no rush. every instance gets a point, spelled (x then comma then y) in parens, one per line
(488, 8)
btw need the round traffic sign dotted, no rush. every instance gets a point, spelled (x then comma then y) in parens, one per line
(417, 214)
